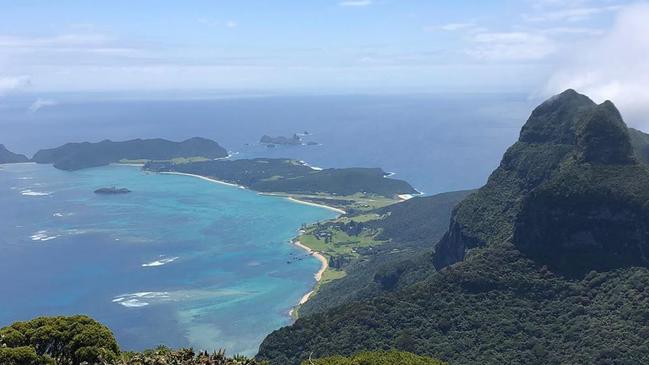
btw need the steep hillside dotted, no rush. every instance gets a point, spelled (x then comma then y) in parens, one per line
(640, 143)
(75, 156)
(543, 265)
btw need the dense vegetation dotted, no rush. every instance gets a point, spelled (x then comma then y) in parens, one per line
(166, 356)
(376, 358)
(552, 267)
(293, 177)
(75, 156)
(7, 156)
(402, 236)
(640, 143)
(60, 340)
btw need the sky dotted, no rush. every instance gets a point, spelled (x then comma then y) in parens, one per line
(390, 46)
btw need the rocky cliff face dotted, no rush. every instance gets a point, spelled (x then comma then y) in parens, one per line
(569, 194)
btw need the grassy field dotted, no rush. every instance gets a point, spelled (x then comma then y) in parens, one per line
(331, 239)
(354, 204)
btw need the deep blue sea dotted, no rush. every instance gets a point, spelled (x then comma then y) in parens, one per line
(436, 142)
(179, 261)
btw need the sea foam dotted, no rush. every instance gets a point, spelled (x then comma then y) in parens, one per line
(29, 192)
(42, 236)
(137, 300)
(160, 262)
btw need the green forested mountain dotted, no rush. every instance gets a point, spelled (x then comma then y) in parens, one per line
(7, 156)
(75, 156)
(543, 265)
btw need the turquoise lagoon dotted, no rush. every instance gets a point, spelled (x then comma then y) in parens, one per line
(180, 261)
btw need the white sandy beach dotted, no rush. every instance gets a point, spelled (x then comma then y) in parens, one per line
(296, 200)
(318, 276)
(204, 178)
(128, 164)
(316, 205)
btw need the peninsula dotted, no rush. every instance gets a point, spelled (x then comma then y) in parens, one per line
(343, 188)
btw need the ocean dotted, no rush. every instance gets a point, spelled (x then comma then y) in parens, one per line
(179, 261)
(436, 142)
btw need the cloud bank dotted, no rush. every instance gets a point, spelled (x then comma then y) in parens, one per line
(40, 104)
(614, 66)
(355, 3)
(11, 83)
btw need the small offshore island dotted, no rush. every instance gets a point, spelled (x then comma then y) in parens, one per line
(112, 190)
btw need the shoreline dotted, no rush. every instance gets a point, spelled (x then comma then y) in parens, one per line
(324, 265)
(128, 164)
(296, 200)
(203, 178)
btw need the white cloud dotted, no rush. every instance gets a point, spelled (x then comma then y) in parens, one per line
(511, 46)
(454, 27)
(577, 31)
(11, 83)
(41, 103)
(613, 66)
(356, 3)
(64, 40)
(570, 14)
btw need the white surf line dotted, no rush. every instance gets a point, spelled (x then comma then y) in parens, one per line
(296, 200)
(204, 178)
